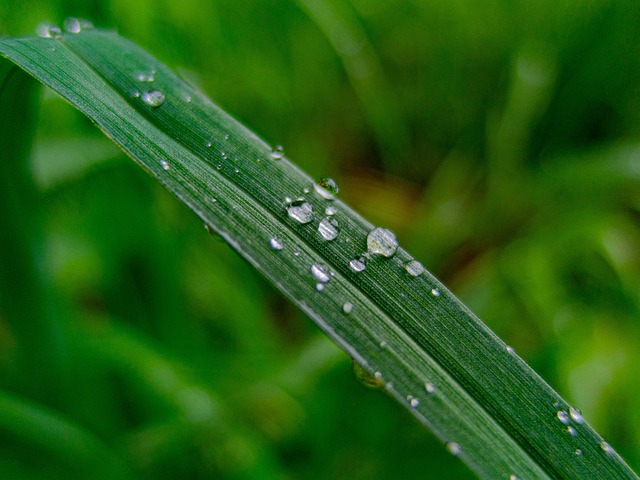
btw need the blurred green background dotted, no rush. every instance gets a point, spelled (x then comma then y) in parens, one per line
(500, 140)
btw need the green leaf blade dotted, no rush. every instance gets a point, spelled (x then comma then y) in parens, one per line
(486, 399)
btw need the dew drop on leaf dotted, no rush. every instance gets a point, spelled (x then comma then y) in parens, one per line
(275, 244)
(300, 211)
(454, 448)
(435, 292)
(277, 152)
(606, 448)
(153, 98)
(49, 31)
(319, 287)
(165, 165)
(429, 388)
(347, 307)
(578, 452)
(563, 417)
(357, 265)
(328, 229)
(382, 242)
(572, 431)
(320, 272)
(414, 268)
(327, 188)
(365, 378)
(413, 401)
(330, 210)
(576, 415)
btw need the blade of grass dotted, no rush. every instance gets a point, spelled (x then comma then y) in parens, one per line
(427, 349)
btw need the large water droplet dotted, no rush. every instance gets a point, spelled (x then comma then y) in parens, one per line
(330, 210)
(321, 272)
(75, 25)
(382, 242)
(328, 228)
(576, 415)
(277, 152)
(563, 417)
(357, 265)
(153, 98)
(347, 307)
(49, 31)
(327, 188)
(275, 243)
(454, 448)
(414, 268)
(300, 211)
(364, 377)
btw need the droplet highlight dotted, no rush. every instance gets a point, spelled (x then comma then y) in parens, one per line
(357, 265)
(330, 211)
(320, 272)
(429, 388)
(435, 292)
(277, 152)
(563, 417)
(275, 244)
(49, 31)
(381, 241)
(165, 165)
(454, 448)
(576, 415)
(347, 308)
(413, 401)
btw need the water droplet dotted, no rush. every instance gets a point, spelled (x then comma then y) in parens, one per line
(357, 265)
(300, 211)
(435, 292)
(328, 228)
(327, 188)
(364, 377)
(414, 268)
(509, 349)
(382, 242)
(275, 243)
(454, 448)
(237, 170)
(563, 417)
(73, 25)
(146, 77)
(606, 448)
(389, 386)
(572, 431)
(49, 31)
(330, 210)
(187, 98)
(226, 136)
(319, 287)
(321, 272)
(223, 155)
(430, 388)
(578, 452)
(383, 344)
(208, 144)
(576, 415)
(513, 477)
(165, 165)
(306, 189)
(347, 307)
(413, 401)
(296, 254)
(277, 152)
(153, 98)
(135, 94)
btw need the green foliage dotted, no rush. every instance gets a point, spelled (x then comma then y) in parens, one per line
(518, 186)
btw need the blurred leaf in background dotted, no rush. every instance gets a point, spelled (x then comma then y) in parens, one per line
(499, 140)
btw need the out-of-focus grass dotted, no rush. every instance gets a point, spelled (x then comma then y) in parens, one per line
(520, 188)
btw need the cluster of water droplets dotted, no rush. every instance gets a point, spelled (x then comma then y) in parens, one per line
(71, 25)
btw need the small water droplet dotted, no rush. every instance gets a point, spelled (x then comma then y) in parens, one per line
(389, 386)
(606, 448)
(226, 136)
(319, 287)
(435, 292)
(49, 31)
(330, 211)
(383, 344)
(364, 377)
(153, 98)
(320, 272)
(223, 155)
(328, 229)
(414, 268)
(556, 404)
(72, 25)
(327, 188)
(563, 417)
(578, 452)
(277, 152)
(208, 144)
(576, 415)
(413, 401)
(275, 243)
(357, 265)
(306, 189)
(509, 349)
(572, 431)
(454, 448)
(296, 254)
(237, 170)
(187, 98)
(513, 477)
(430, 388)
(347, 307)
(146, 76)
(382, 242)
(165, 165)
(300, 211)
